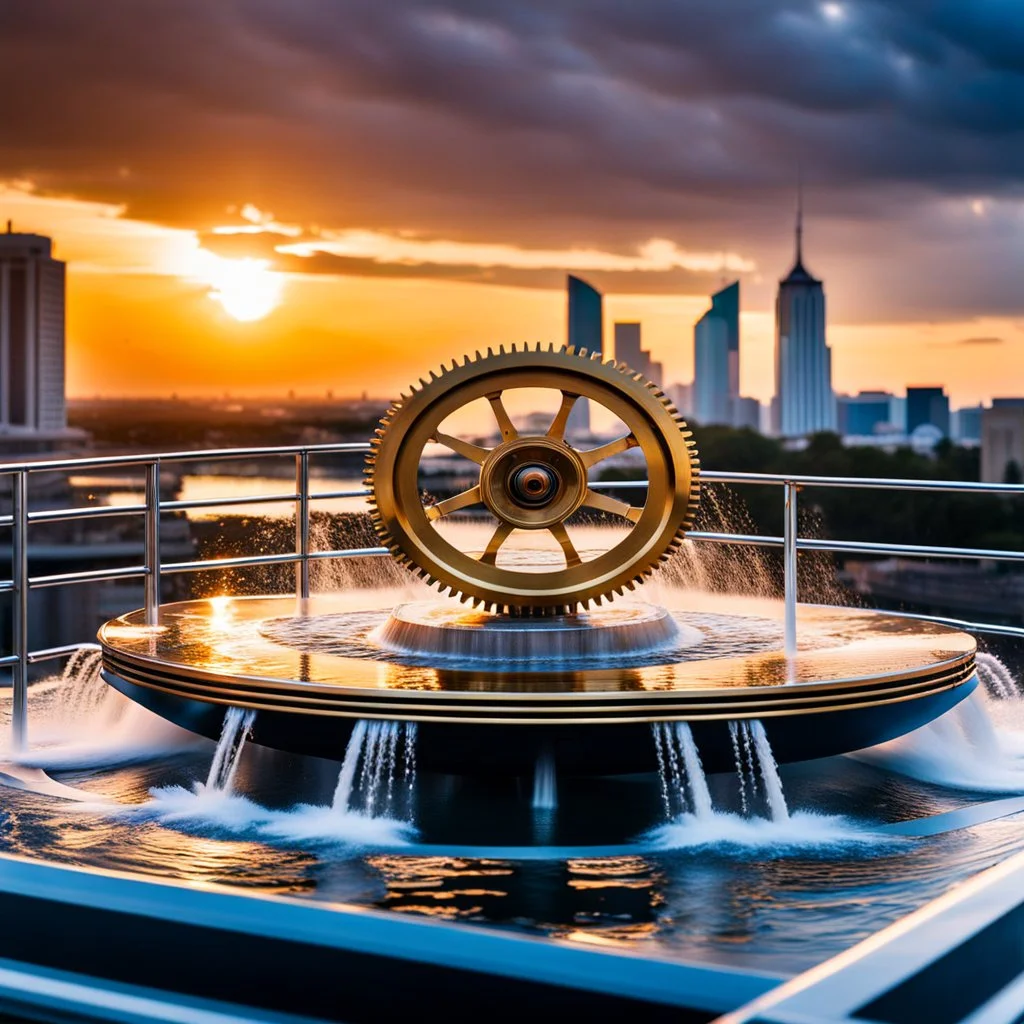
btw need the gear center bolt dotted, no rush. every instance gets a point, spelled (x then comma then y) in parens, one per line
(534, 485)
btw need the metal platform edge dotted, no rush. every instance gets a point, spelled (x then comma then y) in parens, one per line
(266, 954)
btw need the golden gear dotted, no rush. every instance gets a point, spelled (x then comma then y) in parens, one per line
(533, 482)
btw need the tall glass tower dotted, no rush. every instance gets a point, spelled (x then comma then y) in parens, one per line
(804, 401)
(586, 330)
(716, 358)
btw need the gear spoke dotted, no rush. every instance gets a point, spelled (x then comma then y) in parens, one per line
(474, 452)
(505, 424)
(561, 534)
(500, 535)
(605, 451)
(561, 420)
(454, 503)
(606, 503)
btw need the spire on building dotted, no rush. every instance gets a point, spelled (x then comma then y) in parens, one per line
(799, 274)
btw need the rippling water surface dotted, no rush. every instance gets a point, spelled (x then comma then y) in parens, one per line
(602, 867)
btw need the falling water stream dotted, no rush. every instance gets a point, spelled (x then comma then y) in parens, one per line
(684, 785)
(228, 755)
(545, 785)
(996, 676)
(383, 753)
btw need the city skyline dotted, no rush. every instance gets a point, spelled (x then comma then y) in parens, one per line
(379, 214)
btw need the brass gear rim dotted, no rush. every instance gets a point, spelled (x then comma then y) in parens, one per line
(521, 467)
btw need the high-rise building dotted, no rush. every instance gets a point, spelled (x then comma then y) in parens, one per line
(681, 396)
(863, 414)
(965, 423)
(586, 331)
(927, 405)
(804, 401)
(1002, 443)
(629, 350)
(746, 412)
(716, 358)
(31, 336)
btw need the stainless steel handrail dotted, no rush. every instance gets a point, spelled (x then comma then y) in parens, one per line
(153, 568)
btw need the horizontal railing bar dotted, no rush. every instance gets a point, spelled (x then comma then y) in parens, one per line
(910, 550)
(60, 515)
(9, 659)
(247, 499)
(49, 653)
(326, 495)
(126, 572)
(349, 553)
(196, 455)
(971, 627)
(241, 562)
(966, 486)
(750, 539)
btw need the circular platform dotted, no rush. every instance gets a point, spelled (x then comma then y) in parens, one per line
(860, 678)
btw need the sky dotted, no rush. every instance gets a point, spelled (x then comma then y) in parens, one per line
(255, 196)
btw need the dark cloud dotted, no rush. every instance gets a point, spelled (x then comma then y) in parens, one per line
(555, 123)
(981, 341)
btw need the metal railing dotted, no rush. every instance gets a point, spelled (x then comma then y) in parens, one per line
(152, 570)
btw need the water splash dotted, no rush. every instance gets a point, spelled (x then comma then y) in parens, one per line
(384, 756)
(977, 745)
(78, 721)
(81, 689)
(545, 784)
(228, 755)
(996, 676)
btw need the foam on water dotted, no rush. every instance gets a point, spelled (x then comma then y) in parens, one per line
(228, 815)
(801, 830)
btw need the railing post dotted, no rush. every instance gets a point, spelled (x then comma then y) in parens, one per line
(302, 525)
(152, 553)
(789, 536)
(19, 641)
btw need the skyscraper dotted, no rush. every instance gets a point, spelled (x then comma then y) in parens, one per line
(804, 402)
(628, 348)
(31, 336)
(716, 358)
(927, 405)
(586, 331)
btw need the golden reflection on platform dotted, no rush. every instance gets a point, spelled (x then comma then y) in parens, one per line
(221, 639)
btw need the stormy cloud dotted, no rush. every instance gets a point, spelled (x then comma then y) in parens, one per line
(553, 124)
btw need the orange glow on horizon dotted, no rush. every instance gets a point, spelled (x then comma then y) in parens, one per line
(150, 312)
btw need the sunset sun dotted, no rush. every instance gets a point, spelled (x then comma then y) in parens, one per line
(246, 288)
